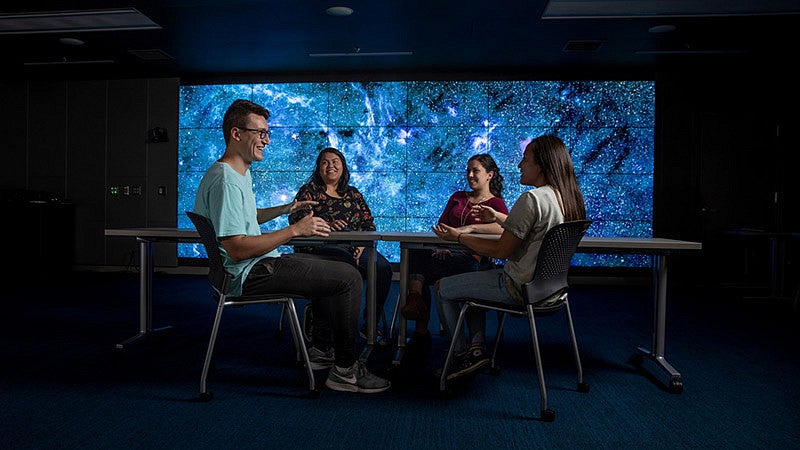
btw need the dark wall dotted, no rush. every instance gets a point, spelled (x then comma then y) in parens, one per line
(77, 140)
(723, 142)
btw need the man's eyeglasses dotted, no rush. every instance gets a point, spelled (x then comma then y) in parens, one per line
(262, 133)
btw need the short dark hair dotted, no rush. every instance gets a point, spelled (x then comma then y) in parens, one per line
(237, 113)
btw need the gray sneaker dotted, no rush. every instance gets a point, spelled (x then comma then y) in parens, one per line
(321, 360)
(356, 378)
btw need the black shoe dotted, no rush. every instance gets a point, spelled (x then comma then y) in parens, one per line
(469, 361)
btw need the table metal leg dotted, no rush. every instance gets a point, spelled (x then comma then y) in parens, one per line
(656, 353)
(401, 321)
(146, 269)
(371, 304)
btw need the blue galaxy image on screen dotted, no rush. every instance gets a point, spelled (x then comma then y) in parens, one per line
(407, 144)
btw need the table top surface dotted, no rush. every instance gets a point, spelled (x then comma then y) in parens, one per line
(587, 243)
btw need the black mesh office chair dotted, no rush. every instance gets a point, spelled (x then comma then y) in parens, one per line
(544, 295)
(220, 280)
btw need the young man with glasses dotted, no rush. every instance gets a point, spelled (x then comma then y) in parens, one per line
(226, 197)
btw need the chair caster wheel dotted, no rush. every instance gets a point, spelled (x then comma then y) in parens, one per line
(206, 396)
(583, 387)
(313, 393)
(675, 387)
(494, 371)
(548, 415)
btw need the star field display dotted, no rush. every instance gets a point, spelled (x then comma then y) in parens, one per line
(407, 145)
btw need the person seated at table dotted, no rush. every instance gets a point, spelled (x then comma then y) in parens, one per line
(426, 266)
(225, 196)
(556, 198)
(343, 208)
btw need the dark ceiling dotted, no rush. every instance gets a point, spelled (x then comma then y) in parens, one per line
(246, 39)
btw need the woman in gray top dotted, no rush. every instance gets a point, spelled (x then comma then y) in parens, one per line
(556, 198)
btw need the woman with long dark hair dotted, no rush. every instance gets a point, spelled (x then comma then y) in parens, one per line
(556, 198)
(344, 208)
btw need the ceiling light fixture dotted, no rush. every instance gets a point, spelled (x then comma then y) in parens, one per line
(71, 41)
(123, 19)
(691, 52)
(326, 55)
(620, 9)
(662, 29)
(65, 61)
(339, 11)
(585, 45)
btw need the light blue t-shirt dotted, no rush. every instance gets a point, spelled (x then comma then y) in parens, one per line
(227, 199)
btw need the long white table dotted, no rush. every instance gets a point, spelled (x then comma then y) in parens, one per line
(147, 237)
(658, 248)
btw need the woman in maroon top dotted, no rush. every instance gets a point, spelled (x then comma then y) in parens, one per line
(426, 267)
(344, 208)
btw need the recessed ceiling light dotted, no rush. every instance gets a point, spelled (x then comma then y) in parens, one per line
(662, 29)
(339, 11)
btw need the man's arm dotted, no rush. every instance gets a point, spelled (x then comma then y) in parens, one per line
(267, 214)
(241, 247)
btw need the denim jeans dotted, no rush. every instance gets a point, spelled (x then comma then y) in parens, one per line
(423, 266)
(485, 285)
(334, 289)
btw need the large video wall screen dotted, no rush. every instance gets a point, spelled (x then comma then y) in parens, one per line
(407, 144)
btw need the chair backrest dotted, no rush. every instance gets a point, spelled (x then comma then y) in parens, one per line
(217, 274)
(552, 263)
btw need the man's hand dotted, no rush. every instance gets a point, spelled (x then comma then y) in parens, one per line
(312, 226)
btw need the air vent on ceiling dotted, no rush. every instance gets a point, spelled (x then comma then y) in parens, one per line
(153, 54)
(74, 21)
(582, 46)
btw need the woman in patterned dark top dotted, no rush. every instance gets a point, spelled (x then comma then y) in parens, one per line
(345, 209)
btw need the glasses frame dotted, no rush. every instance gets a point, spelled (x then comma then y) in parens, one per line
(262, 133)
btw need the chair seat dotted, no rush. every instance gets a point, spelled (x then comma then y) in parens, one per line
(550, 304)
(256, 298)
